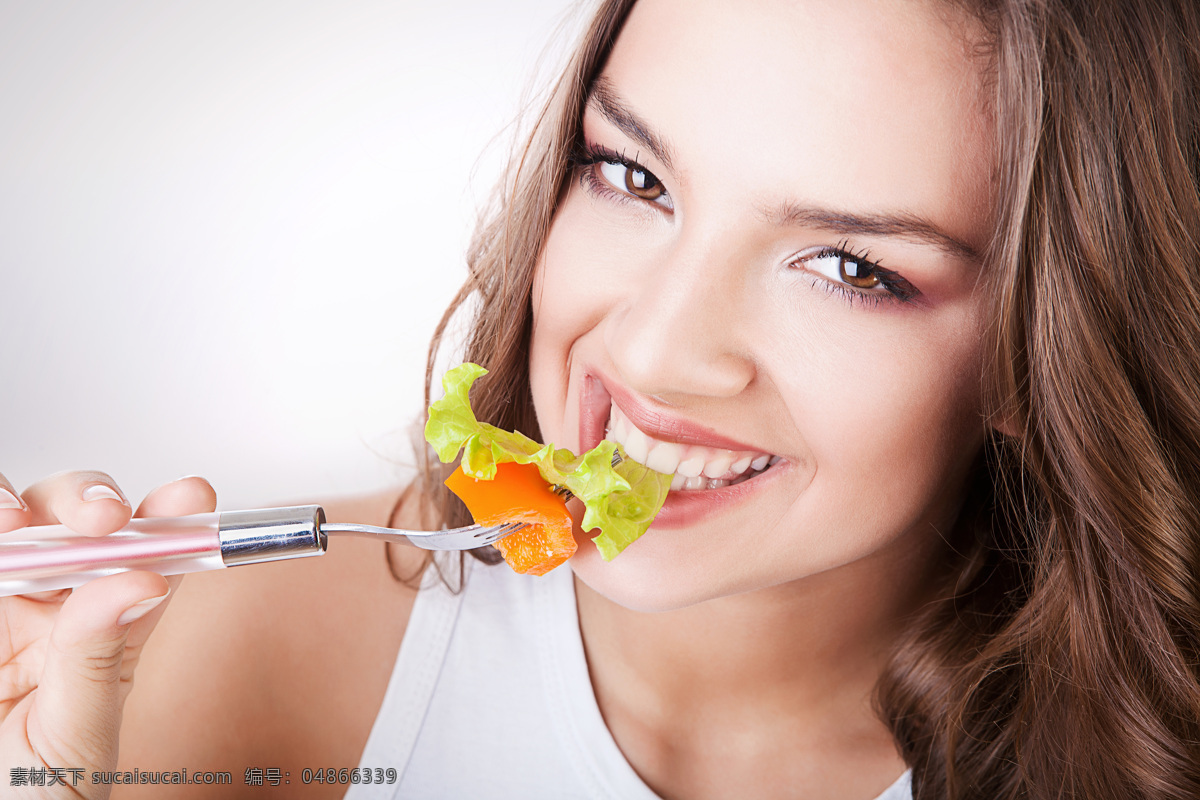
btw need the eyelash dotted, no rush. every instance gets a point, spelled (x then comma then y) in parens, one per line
(895, 287)
(589, 155)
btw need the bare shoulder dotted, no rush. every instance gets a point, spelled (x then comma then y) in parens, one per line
(280, 665)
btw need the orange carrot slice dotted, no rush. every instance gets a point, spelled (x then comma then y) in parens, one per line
(519, 494)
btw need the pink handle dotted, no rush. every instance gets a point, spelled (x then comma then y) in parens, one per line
(55, 557)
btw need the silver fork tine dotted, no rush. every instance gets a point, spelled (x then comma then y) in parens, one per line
(467, 538)
(494, 533)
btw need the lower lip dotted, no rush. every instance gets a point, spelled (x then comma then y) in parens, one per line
(683, 507)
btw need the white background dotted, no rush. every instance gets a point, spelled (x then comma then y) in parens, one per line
(228, 227)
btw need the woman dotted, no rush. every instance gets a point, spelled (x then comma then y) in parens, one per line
(937, 263)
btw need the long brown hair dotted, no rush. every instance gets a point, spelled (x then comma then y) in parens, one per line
(1063, 659)
(1064, 662)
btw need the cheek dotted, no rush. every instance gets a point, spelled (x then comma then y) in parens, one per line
(587, 260)
(573, 290)
(893, 424)
(568, 282)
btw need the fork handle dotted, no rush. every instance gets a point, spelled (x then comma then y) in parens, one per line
(55, 557)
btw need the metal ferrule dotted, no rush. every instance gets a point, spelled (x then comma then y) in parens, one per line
(271, 534)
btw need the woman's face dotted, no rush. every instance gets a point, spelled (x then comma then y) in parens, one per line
(772, 258)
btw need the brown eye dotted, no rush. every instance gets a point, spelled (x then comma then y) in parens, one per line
(643, 184)
(858, 273)
(850, 274)
(631, 180)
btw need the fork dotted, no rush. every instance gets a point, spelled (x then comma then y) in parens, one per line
(55, 557)
(467, 538)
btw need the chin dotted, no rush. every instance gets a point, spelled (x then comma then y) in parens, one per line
(655, 574)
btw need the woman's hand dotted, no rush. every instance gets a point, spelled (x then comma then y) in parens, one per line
(67, 657)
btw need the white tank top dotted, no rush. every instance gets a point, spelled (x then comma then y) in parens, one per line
(490, 699)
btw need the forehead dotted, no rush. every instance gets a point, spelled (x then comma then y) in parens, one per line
(859, 104)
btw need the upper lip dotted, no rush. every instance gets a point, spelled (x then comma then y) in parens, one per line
(665, 427)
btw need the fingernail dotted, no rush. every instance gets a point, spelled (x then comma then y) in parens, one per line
(139, 610)
(10, 500)
(101, 491)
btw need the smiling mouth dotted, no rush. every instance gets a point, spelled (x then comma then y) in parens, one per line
(692, 467)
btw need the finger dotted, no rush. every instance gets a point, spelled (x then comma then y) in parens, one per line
(88, 502)
(13, 511)
(48, 596)
(79, 696)
(141, 629)
(190, 495)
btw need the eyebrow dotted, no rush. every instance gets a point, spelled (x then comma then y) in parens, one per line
(604, 99)
(899, 225)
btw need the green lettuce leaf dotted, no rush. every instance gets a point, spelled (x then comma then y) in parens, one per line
(620, 501)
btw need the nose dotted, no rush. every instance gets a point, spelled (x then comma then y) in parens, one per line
(684, 325)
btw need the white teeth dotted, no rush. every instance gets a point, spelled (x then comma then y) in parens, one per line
(637, 445)
(664, 458)
(621, 428)
(774, 460)
(718, 466)
(691, 467)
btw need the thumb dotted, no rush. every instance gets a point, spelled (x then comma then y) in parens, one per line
(76, 715)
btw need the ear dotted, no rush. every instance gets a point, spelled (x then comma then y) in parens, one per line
(1004, 422)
